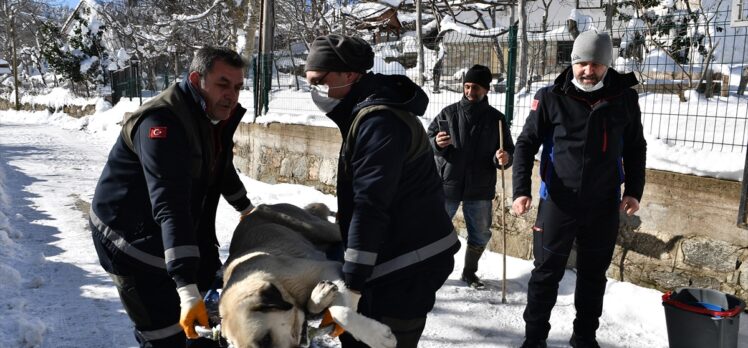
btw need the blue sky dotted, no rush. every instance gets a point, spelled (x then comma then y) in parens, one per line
(69, 3)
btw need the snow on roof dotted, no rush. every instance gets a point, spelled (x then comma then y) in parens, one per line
(391, 3)
(448, 23)
(364, 10)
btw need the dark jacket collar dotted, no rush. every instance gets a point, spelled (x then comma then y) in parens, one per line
(194, 96)
(473, 111)
(397, 91)
(614, 84)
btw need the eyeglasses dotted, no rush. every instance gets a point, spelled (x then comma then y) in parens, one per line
(321, 80)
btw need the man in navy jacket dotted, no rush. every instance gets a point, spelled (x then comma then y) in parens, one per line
(399, 240)
(153, 212)
(589, 125)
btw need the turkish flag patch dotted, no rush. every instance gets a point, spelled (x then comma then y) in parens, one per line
(157, 133)
(534, 105)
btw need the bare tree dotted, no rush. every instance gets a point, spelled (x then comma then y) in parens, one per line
(18, 21)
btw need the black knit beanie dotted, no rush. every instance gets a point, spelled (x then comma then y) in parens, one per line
(339, 53)
(479, 74)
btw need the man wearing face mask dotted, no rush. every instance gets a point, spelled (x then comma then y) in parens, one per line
(399, 240)
(589, 124)
(153, 213)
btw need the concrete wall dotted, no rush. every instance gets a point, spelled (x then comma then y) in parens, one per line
(684, 235)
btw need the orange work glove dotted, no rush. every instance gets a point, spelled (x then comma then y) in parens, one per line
(327, 320)
(193, 310)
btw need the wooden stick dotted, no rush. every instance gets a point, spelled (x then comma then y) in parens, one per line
(503, 218)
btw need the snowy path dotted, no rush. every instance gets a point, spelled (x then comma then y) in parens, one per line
(53, 293)
(60, 297)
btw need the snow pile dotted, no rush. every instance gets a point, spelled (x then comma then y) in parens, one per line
(684, 160)
(55, 99)
(391, 68)
(18, 328)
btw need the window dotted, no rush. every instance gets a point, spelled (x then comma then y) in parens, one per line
(563, 52)
(739, 13)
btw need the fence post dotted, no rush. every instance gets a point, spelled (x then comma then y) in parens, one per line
(255, 85)
(136, 71)
(742, 216)
(115, 87)
(511, 72)
(263, 78)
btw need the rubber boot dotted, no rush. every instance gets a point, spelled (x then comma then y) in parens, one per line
(472, 255)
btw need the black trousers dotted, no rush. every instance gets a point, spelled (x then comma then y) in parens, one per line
(595, 228)
(150, 299)
(402, 305)
(152, 303)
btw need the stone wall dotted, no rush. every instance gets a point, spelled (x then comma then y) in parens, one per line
(684, 235)
(72, 110)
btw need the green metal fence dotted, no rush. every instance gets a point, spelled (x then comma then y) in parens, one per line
(126, 83)
(691, 95)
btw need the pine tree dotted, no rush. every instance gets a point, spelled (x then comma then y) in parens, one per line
(80, 57)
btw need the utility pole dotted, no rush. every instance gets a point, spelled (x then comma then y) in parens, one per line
(609, 18)
(343, 5)
(523, 44)
(265, 58)
(419, 39)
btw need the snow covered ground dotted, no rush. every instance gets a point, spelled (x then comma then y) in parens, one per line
(53, 293)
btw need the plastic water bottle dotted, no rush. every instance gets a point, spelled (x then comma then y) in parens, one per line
(211, 305)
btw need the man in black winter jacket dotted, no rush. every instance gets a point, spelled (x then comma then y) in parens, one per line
(589, 125)
(468, 154)
(153, 212)
(399, 241)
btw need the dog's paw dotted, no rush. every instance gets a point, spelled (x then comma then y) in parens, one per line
(322, 296)
(377, 335)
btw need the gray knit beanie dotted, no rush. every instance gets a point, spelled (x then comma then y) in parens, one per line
(591, 46)
(339, 53)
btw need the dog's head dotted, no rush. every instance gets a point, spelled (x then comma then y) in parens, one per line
(256, 314)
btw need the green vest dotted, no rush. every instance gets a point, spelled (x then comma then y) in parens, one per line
(419, 141)
(195, 123)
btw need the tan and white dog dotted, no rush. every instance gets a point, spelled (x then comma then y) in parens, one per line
(276, 270)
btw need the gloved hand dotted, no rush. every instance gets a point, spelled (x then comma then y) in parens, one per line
(193, 309)
(247, 210)
(352, 299)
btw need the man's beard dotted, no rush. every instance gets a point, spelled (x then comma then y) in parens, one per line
(584, 81)
(589, 87)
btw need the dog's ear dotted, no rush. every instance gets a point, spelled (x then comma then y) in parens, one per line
(270, 299)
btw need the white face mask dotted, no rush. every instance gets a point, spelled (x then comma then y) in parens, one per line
(587, 88)
(320, 97)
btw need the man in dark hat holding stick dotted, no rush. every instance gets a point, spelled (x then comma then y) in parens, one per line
(399, 241)
(465, 140)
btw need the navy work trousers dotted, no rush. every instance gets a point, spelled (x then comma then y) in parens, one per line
(595, 228)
